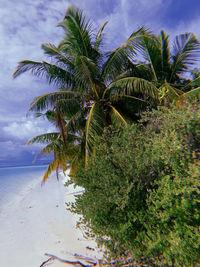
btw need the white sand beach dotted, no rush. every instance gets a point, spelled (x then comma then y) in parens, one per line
(36, 222)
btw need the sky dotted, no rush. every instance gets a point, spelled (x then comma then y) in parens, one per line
(26, 24)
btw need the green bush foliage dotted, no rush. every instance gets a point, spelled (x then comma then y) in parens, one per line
(141, 190)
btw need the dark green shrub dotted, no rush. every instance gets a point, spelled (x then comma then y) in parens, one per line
(141, 194)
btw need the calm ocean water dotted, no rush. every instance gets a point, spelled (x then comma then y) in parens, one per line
(14, 179)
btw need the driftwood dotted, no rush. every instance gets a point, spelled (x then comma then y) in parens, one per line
(91, 262)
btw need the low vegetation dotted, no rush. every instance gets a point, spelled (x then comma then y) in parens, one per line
(141, 194)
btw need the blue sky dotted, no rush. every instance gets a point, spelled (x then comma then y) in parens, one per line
(26, 24)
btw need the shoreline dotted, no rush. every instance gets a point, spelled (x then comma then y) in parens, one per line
(24, 166)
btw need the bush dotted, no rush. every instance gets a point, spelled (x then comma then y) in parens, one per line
(173, 228)
(141, 191)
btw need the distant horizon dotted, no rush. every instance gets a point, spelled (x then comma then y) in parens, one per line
(9, 165)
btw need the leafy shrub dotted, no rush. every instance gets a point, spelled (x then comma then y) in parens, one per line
(141, 190)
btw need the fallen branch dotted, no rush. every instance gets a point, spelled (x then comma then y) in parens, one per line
(74, 263)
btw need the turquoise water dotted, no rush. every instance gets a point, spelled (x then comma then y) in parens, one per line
(14, 179)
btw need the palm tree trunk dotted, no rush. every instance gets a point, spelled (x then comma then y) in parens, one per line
(60, 122)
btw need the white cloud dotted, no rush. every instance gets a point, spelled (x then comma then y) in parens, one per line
(10, 148)
(185, 26)
(25, 130)
(124, 16)
(24, 26)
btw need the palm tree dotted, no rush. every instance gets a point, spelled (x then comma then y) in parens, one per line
(64, 146)
(54, 146)
(92, 85)
(62, 158)
(166, 69)
(84, 76)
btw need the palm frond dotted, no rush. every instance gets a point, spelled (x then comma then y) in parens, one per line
(165, 56)
(186, 53)
(75, 159)
(39, 114)
(51, 72)
(94, 128)
(69, 107)
(168, 93)
(138, 69)
(86, 73)
(98, 40)
(52, 51)
(76, 122)
(131, 85)
(43, 138)
(77, 31)
(57, 148)
(130, 107)
(51, 147)
(116, 98)
(60, 124)
(193, 94)
(50, 99)
(126, 51)
(194, 83)
(74, 169)
(116, 117)
(52, 167)
(150, 50)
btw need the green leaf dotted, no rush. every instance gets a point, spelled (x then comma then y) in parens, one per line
(150, 49)
(76, 123)
(94, 128)
(50, 99)
(44, 138)
(122, 54)
(86, 73)
(165, 56)
(77, 31)
(116, 117)
(193, 94)
(99, 40)
(52, 73)
(186, 53)
(131, 85)
(53, 51)
(168, 93)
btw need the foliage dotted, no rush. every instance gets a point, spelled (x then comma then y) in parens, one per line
(141, 191)
(54, 146)
(174, 207)
(64, 147)
(97, 88)
(84, 73)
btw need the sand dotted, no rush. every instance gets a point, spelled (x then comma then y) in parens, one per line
(37, 222)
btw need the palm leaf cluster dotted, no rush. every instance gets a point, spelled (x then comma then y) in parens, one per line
(96, 88)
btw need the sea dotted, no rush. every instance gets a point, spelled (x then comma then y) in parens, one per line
(14, 181)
